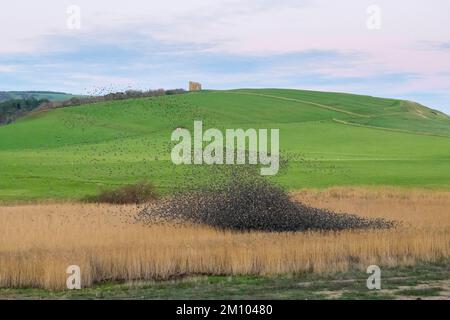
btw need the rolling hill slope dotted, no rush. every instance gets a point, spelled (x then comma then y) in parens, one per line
(330, 139)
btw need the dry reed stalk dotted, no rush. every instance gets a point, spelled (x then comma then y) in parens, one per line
(38, 242)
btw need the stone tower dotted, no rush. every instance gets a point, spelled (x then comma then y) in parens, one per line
(195, 86)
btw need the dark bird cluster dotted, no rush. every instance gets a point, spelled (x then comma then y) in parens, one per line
(243, 201)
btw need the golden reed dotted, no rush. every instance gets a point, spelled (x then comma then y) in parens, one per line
(38, 242)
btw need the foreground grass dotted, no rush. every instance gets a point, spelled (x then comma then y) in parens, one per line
(422, 281)
(38, 242)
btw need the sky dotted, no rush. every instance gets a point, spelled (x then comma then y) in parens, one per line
(397, 49)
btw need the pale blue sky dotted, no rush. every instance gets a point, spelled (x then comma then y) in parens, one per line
(304, 44)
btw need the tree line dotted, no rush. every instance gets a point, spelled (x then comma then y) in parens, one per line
(12, 109)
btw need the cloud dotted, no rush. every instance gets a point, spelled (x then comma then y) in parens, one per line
(314, 44)
(7, 68)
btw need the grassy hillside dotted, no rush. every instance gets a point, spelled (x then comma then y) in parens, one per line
(330, 139)
(49, 95)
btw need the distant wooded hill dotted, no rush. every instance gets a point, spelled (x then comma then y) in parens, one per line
(38, 95)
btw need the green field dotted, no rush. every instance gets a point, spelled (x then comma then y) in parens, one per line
(330, 139)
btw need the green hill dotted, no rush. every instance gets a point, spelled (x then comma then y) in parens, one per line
(330, 139)
(38, 95)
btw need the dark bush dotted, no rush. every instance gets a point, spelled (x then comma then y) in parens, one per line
(138, 193)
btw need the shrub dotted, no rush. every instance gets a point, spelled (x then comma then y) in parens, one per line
(138, 193)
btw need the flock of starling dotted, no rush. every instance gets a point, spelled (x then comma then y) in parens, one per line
(243, 201)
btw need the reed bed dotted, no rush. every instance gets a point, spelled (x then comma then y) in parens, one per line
(38, 242)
